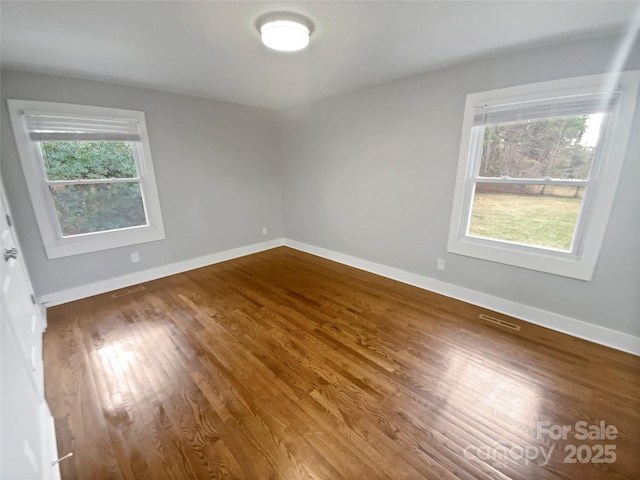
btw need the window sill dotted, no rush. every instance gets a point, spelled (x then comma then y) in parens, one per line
(102, 241)
(556, 262)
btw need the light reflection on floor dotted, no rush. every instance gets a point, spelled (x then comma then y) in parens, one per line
(125, 366)
(483, 385)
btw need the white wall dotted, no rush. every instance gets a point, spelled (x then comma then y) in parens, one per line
(215, 165)
(371, 174)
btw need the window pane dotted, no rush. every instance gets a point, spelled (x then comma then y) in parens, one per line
(98, 207)
(540, 215)
(88, 160)
(560, 147)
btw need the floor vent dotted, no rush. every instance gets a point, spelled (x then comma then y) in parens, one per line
(122, 293)
(498, 321)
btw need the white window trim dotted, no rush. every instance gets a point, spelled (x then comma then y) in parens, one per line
(55, 245)
(581, 261)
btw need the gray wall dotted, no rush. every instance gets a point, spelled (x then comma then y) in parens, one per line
(368, 174)
(215, 165)
(371, 174)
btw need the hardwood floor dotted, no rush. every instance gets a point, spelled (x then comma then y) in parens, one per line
(282, 365)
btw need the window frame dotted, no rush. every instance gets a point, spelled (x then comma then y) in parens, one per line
(599, 195)
(56, 245)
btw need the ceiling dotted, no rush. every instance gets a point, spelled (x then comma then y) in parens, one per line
(211, 49)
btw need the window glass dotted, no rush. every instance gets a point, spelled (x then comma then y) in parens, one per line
(533, 213)
(546, 217)
(89, 174)
(83, 206)
(538, 169)
(547, 148)
(88, 160)
(98, 207)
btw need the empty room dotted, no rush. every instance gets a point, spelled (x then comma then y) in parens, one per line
(346, 240)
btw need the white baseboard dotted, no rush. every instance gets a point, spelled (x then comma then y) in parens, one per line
(123, 281)
(554, 321)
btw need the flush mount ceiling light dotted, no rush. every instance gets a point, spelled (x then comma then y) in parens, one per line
(286, 32)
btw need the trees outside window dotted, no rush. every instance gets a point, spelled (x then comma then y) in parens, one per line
(538, 169)
(89, 174)
(541, 214)
(94, 185)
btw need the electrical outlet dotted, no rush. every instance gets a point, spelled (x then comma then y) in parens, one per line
(440, 264)
(135, 257)
(264, 230)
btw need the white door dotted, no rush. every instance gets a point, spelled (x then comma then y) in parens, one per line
(27, 439)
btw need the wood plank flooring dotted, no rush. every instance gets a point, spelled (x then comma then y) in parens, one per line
(282, 365)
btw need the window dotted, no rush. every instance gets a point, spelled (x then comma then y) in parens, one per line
(538, 169)
(89, 175)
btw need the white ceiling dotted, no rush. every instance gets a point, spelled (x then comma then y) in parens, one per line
(211, 49)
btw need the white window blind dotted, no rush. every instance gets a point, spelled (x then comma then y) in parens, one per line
(43, 127)
(546, 108)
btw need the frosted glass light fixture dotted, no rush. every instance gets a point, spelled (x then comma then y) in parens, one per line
(286, 32)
